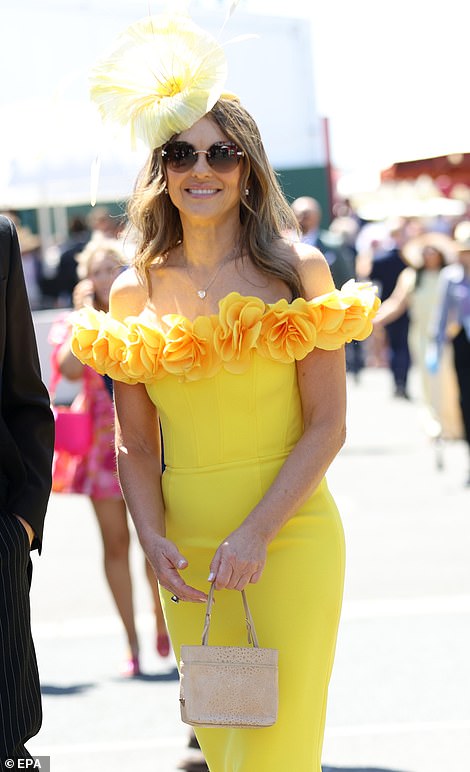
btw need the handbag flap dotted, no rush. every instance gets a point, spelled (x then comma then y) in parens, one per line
(229, 655)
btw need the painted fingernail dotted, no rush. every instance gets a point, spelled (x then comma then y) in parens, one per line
(211, 577)
(181, 563)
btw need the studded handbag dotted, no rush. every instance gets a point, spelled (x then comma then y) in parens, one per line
(229, 686)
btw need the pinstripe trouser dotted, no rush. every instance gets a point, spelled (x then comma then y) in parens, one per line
(20, 696)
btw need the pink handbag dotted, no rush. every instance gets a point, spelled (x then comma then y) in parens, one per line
(73, 423)
(73, 429)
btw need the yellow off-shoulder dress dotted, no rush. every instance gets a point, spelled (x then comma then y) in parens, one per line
(226, 391)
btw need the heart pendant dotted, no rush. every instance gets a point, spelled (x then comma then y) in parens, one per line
(202, 294)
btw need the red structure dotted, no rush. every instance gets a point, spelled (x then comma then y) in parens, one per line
(446, 171)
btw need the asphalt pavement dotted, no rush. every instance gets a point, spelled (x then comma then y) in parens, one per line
(399, 696)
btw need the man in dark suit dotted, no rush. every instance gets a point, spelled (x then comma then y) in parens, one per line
(308, 213)
(387, 265)
(26, 448)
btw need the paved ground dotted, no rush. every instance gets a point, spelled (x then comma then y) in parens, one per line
(399, 698)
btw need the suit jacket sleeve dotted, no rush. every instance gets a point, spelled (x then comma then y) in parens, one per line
(26, 420)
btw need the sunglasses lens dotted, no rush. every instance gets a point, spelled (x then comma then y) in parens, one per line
(224, 157)
(180, 156)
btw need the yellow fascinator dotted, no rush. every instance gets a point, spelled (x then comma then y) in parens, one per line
(160, 77)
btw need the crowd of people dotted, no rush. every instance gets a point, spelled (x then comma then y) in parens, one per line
(420, 267)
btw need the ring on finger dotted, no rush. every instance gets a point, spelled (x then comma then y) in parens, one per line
(175, 599)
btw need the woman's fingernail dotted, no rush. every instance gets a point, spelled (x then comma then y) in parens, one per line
(211, 577)
(181, 563)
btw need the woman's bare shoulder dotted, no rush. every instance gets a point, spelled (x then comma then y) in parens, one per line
(311, 266)
(128, 295)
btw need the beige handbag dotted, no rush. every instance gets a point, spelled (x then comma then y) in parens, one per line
(228, 686)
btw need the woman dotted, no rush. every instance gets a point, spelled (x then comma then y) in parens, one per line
(417, 289)
(210, 333)
(95, 475)
(452, 322)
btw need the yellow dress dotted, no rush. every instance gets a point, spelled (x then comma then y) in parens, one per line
(226, 391)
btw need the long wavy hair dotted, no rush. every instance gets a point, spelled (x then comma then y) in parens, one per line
(264, 213)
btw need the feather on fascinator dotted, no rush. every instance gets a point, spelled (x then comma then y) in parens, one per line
(160, 77)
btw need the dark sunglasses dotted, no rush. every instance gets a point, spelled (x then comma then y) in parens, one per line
(221, 156)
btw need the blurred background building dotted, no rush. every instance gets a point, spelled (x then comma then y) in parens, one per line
(52, 134)
(355, 103)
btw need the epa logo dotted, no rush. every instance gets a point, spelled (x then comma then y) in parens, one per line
(33, 763)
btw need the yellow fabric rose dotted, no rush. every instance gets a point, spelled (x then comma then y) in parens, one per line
(110, 350)
(100, 342)
(189, 348)
(144, 352)
(86, 325)
(288, 331)
(238, 330)
(346, 314)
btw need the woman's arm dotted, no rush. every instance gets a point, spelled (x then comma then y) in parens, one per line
(68, 363)
(241, 557)
(397, 303)
(139, 466)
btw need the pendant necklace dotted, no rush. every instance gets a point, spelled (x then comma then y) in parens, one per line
(202, 291)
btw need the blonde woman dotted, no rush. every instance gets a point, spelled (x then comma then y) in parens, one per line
(95, 474)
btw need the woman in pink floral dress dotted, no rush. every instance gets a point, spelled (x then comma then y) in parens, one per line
(94, 475)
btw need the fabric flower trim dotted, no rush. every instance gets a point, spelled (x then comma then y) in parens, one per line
(139, 352)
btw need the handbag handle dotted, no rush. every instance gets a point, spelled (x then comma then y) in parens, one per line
(250, 625)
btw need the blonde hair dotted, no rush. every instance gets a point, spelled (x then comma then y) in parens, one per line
(264, 213)
(111, 247)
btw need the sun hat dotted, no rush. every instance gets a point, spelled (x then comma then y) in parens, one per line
(412, 250)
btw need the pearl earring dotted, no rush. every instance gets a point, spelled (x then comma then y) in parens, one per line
(166, 190)
(247, 191)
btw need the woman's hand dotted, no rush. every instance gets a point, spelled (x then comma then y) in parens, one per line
(432, 358)
(83, 294)
(167, 561)
(27, 528)
(239, 560)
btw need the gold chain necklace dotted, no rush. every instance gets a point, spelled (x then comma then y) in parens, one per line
(202, 291)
